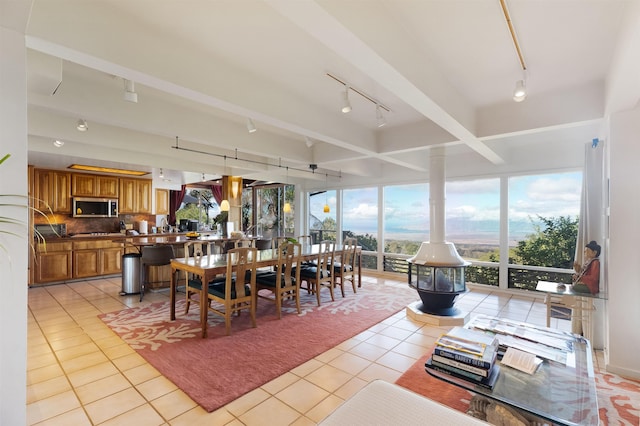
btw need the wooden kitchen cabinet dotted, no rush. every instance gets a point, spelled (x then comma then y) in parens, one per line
(96, 257)
(135, 196)
(52, 190)
(86, 185)
(53, 262)
(162, 201)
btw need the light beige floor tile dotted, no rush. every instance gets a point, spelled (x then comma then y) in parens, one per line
(114, 405)
(142, 415)
(118, 351)
(199, 417)
(173, 404)
(324, 408)
(271, 412)
(101, 388)
(350, 388)
(247, 402)
(42, 348)
(85, 361)
(303, 421)
(70, 342)
(383, 341)
(329, 378)
(42, 374)
(306, 368)
(47, 389)
(50, 407)
(302, 395)
(156, 387)
(377, 371)
(279, 383)
(409, 349)
(396, 333)
(128, 362)
(350, 363)
(76, 351)
(40, 361)
(396, 361)
(141, 373)
(368, 351)
(76, 417)
(329, 355)
(92, 373)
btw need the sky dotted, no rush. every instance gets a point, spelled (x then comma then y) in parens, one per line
(471, 206)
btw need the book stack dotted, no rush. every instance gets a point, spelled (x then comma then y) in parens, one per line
(467, 354)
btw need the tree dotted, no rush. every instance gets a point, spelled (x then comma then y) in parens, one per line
(552, 245)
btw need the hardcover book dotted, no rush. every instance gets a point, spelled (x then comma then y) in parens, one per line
(486, 382)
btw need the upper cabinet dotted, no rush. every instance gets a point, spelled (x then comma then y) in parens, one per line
(162, 201)
(84, 185)
(52, 190)
(135, 196)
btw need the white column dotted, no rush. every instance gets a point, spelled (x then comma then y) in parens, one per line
(13, 260)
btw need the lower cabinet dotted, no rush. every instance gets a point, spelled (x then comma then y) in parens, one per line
(53, 262)
(94, 258)
(64, 261)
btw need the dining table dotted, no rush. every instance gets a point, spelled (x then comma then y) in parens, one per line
(208, 266)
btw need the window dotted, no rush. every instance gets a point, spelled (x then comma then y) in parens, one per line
(322, 225)
(406, 218)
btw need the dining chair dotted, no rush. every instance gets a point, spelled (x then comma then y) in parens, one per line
(285, 282)
(319, 274)
(193, 283)
(344, 265)
(156, 255)
(238, 290)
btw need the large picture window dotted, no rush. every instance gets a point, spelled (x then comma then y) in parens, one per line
(406, 218)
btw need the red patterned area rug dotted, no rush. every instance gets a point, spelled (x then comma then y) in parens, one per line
(216, 370)
(618, 398)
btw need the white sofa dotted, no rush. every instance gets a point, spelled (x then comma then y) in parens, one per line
(382, 403)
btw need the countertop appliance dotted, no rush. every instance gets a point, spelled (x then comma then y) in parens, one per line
(51, 230)
(94, 207)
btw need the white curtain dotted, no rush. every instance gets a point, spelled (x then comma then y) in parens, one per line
(591, 224)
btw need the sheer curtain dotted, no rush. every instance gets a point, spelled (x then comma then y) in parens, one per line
(591, 227)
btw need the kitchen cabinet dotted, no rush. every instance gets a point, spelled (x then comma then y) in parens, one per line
(86, 185)
(162, 201)
(53, 262)
(96, 257)
(135, 196)
(51, 190)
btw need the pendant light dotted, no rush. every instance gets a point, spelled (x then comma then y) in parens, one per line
(224, 206)
(326, 208)
(287, 206)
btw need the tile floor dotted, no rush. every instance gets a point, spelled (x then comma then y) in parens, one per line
(79, 372)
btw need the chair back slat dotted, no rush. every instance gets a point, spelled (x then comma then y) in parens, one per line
(243, 259)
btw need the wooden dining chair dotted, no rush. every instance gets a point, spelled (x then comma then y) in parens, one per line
(238, 290)
(344, 265)
(319, 273)
(285, 282)
(193, 282)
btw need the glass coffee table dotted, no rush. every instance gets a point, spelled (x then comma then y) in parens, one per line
(561, 390)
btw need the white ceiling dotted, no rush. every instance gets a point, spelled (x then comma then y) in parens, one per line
(446, 69)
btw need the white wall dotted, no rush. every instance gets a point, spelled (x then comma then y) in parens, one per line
(624, 246)
(13, 261)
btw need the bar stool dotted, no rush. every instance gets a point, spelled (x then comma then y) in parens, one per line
(158, 255)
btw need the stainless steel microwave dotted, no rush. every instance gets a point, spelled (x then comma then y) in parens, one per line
(95, 207)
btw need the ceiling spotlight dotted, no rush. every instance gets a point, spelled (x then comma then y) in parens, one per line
(250, 126)
(82, 125)
(345, 98)
(203, 178)
(58, 143)
(520, 92)
(161, 173)
(308, 142)
(379, 117)
(130, 94)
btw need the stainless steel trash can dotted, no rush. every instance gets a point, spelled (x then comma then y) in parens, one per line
(130, 273)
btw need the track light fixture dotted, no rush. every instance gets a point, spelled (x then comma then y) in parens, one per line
(346, 105)
(161, 173)
(520, 92)
(308, 142)
(203, 178)
(82, 125)
(58, 143)
(250, 126)
(130, 94)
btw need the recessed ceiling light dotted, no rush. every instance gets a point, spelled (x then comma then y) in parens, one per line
(58, 143)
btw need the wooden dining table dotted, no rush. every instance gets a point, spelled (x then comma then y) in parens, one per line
(208, 266)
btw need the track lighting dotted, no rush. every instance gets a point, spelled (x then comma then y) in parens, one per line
(308, 142)
(520, 92)
(203, 178)
(379, 117)
(161, 173)
(346, 105)
(58, 143)
(130, 94)
(82, 125)
(250, 126)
